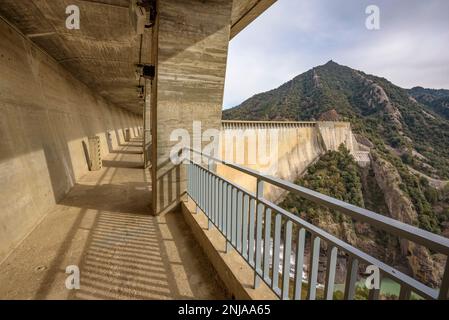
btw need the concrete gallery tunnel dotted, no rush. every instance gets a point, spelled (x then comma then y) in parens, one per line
(89, 92)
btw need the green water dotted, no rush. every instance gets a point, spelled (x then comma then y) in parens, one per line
(387, 287)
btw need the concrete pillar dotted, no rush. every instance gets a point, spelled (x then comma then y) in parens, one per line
(95, 163)
(191, 40)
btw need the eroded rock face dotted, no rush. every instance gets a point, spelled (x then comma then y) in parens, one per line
(422, 265)
(331, 115)
(399, 205)
(377, 97)
(425, 267)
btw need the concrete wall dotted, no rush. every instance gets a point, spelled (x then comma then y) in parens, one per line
(293, 146)
(191, 45)
(46, 116)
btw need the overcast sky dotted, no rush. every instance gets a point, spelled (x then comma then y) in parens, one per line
(410, 49)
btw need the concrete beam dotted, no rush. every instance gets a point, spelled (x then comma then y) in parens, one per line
(191, 38)
(246, 11)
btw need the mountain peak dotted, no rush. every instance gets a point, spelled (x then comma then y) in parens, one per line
(331, 63)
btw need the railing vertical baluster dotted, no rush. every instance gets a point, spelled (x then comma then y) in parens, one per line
(260, 210)
(313, 267)
(220, 204)
(267, 246)
(194, 182)
(228, 219)
(287, 255)
(234, 216)
(200, 188)
(195, 187)
(239, 220)
(252, 218)
(192, 179)
(225, 209)
(209, 200)
(330, 272)
(206, 194)
(217, 201)
(188, 180)
(351, 278)
(212, 201)
(203, 189)
(245, 226)
(444, 288)
(203, 193)
(276, 251)
(215, 197)
(374, 294)
(257, 268)
(405, 292)
(300, 246)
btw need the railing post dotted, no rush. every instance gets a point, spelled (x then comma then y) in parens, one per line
(444, 288)
(210, 201)
(259, 196)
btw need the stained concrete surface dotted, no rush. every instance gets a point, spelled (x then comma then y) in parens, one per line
(46, 118)
(103, 227)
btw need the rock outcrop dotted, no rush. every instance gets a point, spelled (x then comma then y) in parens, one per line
(420, 263)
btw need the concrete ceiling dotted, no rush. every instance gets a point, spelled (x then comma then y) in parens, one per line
(246, 11)
(103, 53)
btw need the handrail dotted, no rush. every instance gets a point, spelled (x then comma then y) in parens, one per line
(417, 235)
(267, 122)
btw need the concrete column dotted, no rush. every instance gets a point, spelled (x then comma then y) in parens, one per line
(191, 37)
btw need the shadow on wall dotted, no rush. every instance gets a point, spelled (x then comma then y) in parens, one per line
(108, 136)
(60, 171)
(86, 154)
(169, 195)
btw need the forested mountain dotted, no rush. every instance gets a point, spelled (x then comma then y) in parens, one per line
(436, 100)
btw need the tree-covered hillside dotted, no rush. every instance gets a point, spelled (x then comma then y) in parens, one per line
(435, 100)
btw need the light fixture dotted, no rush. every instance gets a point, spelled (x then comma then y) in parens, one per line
(137, 16)
(146, 71)
(141, 92)
(149, 71)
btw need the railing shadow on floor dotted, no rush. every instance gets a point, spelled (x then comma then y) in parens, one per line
(127, 253)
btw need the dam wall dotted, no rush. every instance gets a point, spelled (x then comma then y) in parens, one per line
(281, 149)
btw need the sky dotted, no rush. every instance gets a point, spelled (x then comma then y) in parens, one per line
(411, 48)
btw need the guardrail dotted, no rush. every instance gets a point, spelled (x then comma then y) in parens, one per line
(266, 235)
(238, 124)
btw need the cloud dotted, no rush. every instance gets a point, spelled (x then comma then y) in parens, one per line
(293, 36)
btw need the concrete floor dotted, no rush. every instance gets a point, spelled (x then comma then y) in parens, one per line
(103, 227)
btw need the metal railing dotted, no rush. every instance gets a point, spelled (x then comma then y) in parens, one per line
(273, 240)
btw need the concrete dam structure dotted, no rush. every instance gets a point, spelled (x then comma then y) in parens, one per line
(92, 206)
(280, 149)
